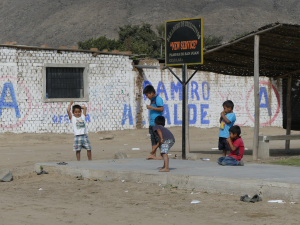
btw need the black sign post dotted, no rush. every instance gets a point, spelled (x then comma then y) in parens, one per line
(184, 46)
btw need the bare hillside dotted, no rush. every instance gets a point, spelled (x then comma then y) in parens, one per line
(65, 22)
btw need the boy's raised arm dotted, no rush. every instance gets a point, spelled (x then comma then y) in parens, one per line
(69, 110)
(84, 110)
(224, 117)
(230, 145)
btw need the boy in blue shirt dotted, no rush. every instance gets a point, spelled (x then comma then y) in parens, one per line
(156, 109)
(227, 120)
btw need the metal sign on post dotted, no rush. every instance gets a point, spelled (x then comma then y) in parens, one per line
(184, 46)
(184, 42)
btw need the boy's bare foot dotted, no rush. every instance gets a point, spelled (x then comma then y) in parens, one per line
(164, 170)
(161, 168)
(151, 157)
(160, 157)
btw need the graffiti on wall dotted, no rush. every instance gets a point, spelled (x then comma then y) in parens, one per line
(18, 110)
(8, 100)
(196, 92)
(200, 96)
(269, 103)
(268, 96)
(8, 88)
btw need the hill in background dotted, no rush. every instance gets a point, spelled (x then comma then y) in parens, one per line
(65, 22)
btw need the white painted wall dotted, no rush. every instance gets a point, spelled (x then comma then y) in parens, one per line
(207, 92)
(112, 94)
(110, 81)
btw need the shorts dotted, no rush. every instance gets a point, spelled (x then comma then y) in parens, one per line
(154, 138)
(223, 144)
(81, 141)
(166, 146)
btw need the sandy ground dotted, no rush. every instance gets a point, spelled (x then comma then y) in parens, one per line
(67, 200)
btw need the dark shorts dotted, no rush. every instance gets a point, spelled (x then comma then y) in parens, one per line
(223, 144)
(154, 138)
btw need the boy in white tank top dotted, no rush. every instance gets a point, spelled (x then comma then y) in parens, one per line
(80, 131)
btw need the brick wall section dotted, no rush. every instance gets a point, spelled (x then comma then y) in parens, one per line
(114, 88)
(207, 92)
(110, 81)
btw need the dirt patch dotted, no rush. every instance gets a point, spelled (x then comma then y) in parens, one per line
(54, 199)
(67, 200)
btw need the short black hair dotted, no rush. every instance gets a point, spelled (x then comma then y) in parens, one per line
(235, 130)
(228, 104)
(76, 107)
(160, 120)
(149, 89)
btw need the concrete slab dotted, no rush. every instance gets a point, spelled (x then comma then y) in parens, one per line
(271, 181)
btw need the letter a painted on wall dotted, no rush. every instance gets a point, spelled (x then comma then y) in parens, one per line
(263, 92)
(13, 104)
(127, 114)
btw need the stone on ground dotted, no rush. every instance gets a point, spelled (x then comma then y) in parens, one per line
(120, 155)
(191, 156)
(110, 137)
(188, 156)
(5, 175)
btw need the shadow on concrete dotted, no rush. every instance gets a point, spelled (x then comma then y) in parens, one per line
(169, 168)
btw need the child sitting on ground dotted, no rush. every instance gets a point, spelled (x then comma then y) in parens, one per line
(166, 141)
(237, 149)
(227, 120)
(80, 132)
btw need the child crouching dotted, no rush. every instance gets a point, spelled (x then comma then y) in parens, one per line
(166, 141)
(236, 146)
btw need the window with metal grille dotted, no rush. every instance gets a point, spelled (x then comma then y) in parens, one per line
(64, 82)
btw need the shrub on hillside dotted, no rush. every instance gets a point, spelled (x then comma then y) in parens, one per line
(101, 43)
(140, 40)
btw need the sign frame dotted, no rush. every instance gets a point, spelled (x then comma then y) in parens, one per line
(180, 64)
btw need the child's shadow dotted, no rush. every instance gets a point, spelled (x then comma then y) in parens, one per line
(169, 168)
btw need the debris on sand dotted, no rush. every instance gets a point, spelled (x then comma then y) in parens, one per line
(5, 175)
(195, 202)
(109, 137)
(120, 155)
(42, 172)
(276, 201)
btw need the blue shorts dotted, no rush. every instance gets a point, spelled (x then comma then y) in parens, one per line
(223, 145)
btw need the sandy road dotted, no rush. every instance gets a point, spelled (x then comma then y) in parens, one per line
(67, 200)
